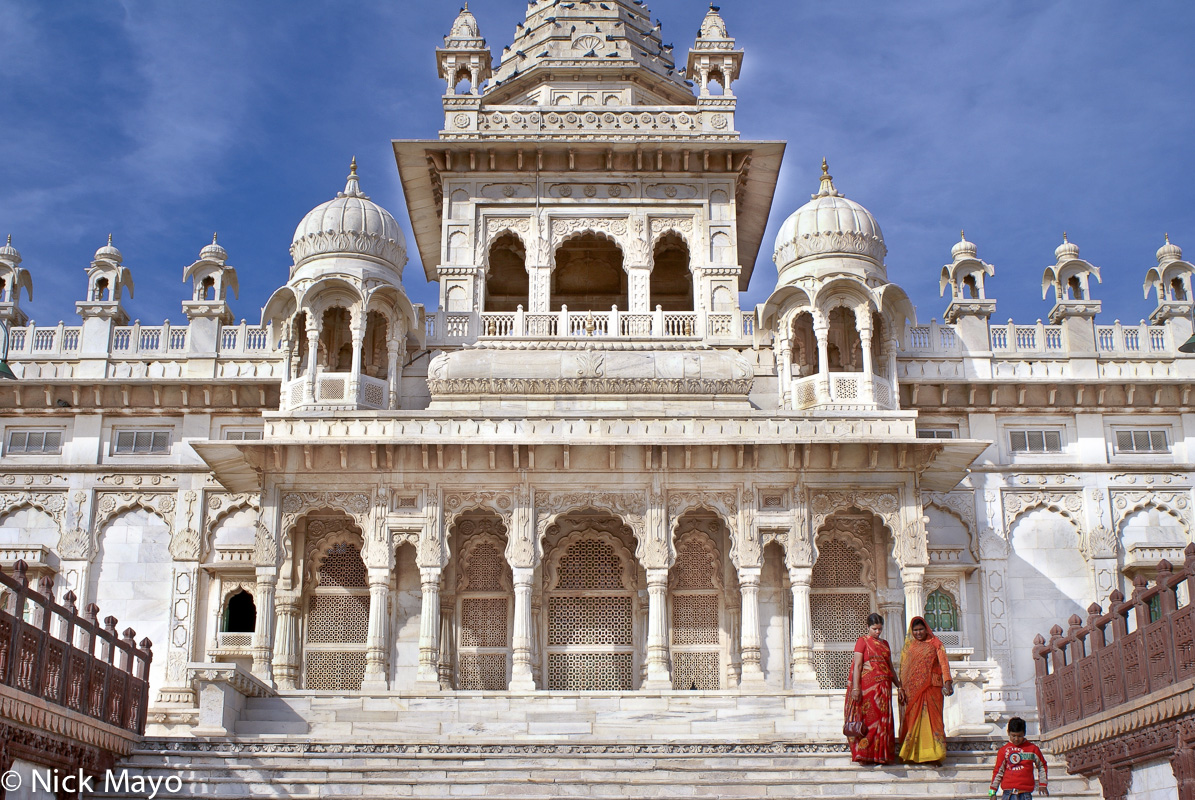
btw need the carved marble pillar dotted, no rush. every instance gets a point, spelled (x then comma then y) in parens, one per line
(286, 640)
(521, 678)
(357, 330)
(447, 639)
(892, 609)
(914, 582)
(377, 644)
(263, 636)
(659, 676)
(804, 675)
(752, 674)
(863, 325)
(312, 358)
(540, 283)
(783, 352)
(178, 648)
(821, 329)
(428, 675)
(395, 353)
(639, 287)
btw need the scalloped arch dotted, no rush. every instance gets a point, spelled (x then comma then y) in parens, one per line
(614, 239)
(1146, 503)
(626, 557)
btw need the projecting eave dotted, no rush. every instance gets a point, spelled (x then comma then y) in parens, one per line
(950, 461)
(420, 166)
(653, 78)
(233, 465)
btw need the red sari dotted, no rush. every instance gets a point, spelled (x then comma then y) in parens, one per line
(878, 744)
(924, 670)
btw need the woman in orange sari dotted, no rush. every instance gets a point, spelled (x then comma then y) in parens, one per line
(872, 678)
(925, 675)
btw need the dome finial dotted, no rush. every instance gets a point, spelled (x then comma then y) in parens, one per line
(962, 236)
(827, 186)
(109, 240)
(213, 237)
(10, 239)
(353, 187)
(1165, 234)
(1064, 239)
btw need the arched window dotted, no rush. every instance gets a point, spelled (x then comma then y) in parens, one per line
(1177, 290)
(336, 341)
(337, 621)
(671, 281)
(3, 288)
(506, 283)
(101, 290)
(590, 644)
(841, 597)
(484, 597)
(696, 604)
(463, 81)
(589, 275)
(207, 289)
(941, 612)
(970, 285)
(240, 615)
(1075, 287)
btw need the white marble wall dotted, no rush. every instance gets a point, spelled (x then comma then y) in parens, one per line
(1153, 781)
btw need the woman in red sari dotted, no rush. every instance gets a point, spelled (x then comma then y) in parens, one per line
(872, 678)
(925, 675)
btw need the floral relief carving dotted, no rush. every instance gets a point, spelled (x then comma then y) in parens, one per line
(52, 503)
(962, 506)
(591, 385)
(457, 503)
(295, 504)
(1126, 502)
(885, 505)
(630, 507)
(110, 504)
(1064, 502)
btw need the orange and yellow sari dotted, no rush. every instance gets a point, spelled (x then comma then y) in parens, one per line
(878, 744)
(924, 670)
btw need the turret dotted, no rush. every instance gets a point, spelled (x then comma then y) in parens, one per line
(1070, 277)
(713, 58)
(107, 278)
(970, 308)
(211, 279)
(13, 278)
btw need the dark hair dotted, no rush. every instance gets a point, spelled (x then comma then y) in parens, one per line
(875, 619)
(921, 622)
(1016, 725)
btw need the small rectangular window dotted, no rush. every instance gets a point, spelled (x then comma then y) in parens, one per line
(34, 443)
(135, 443)
(243, 435)
(1142, 441)
(935, 433)
(1035, 442)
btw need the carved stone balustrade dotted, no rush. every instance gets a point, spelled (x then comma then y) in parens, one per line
(1119, 690)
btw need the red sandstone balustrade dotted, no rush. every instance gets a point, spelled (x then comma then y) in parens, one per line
(49, 651)
(1140, 645)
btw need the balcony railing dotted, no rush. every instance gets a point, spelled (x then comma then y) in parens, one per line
(1039, 338)
(447, 327)
(1131, 339)
(843, 390)
(335, 390)
(1141, 645)
(932, 338)
(135, 341)
(48, 651)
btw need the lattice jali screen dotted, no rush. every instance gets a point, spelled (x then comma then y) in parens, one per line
(833, 668)
(338, 619)
(582, 672)
(839, 618)
(696, 670)
(487, 567)
(590, 564)
(336, 671)
(342, 566)
(484, 622)
(482, 672)
(838, 566)
(694, 619)
(589, 620)
(694, 569)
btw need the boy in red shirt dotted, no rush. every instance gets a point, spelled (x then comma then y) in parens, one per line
(1015, 764)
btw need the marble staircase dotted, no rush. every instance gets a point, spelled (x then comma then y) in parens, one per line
(297, 770)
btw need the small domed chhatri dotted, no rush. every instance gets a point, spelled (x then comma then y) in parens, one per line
(1169, 252)
(213, 251)
(829, 225)
(1067, 251)
(10, 253)
(465, 28)
(963, 249)
(353, 225)
(109, 253)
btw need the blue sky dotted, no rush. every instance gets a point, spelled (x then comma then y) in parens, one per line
(162, 122)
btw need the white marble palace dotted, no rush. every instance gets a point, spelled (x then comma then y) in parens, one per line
(588, 483)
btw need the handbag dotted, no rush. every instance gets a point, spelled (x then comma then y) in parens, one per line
(852, 726)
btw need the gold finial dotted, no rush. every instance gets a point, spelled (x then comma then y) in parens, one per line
(962, 236)
(1167, 238)
(1064, 239)
(213, 238)
(825, 169)
(109, 240)
(353, 166)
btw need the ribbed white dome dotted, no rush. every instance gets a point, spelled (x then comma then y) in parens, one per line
(109, 253)
(351, 224)
(1067, 251)
(10, 253)
(1169, 252)
(213, 252)
(829, 224)
(964, 249)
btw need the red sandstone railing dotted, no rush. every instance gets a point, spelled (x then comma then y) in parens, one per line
(49, 651)
(1139, 646)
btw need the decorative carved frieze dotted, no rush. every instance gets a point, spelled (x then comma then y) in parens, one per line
(631, 507)
(962, 506)
(1064, 502)
(588, 385)
(1176, 503)
(885, 505)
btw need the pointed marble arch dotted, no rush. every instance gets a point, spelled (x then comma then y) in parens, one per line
(495, 228)
(907, 547)
(109, 505)
(659, 227)
(563, 231)
(961, 506)
(1125, 503)
(218, 506)
(630, 507)
(467, 548)
(625, 556)
(856, 541)
(723, 505)
(708, 549)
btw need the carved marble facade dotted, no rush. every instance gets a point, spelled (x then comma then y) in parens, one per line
(589, 469)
